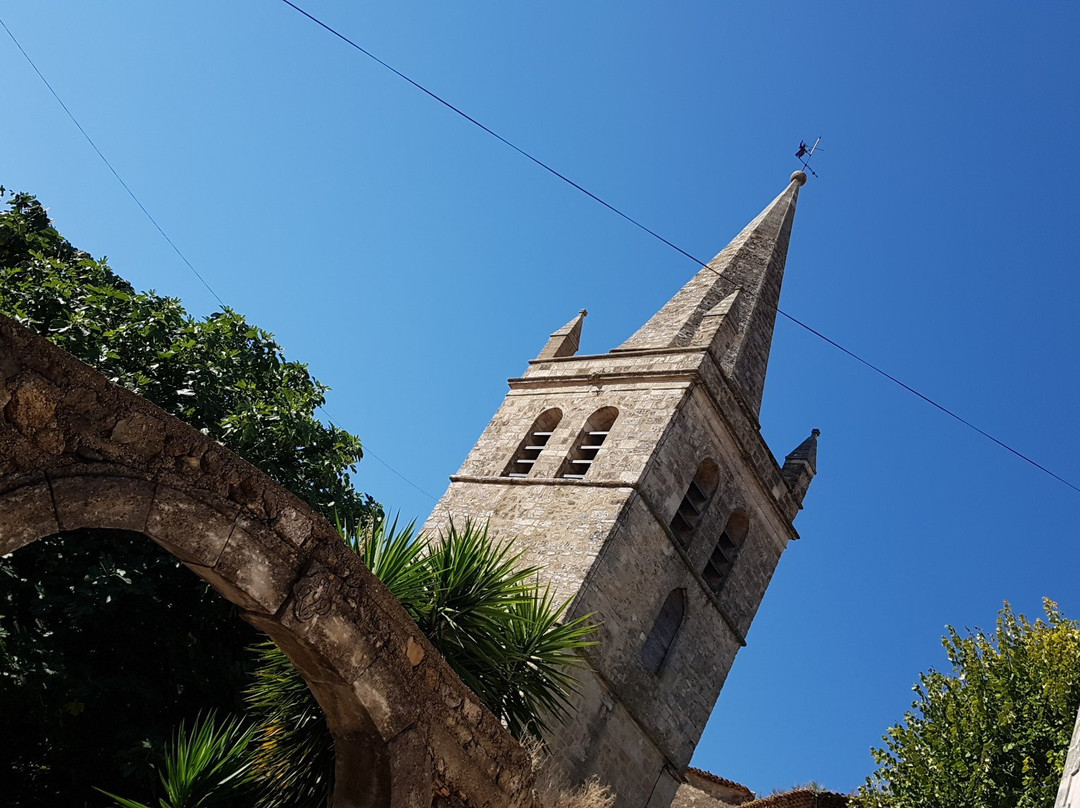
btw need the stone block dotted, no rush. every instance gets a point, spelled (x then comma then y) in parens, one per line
(121, 503)
(191, 530)
(26, 515)
(255, 570)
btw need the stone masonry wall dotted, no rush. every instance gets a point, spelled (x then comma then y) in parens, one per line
(802, 798)
(605, 540)
(1068, 795)
(690, 797)
(77, 451)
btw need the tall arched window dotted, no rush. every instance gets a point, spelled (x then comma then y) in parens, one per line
(533, 443)
(658, 643)
(588, 443)
(696, 500)
(723, 557)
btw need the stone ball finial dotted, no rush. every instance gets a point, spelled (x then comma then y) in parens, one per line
(799, 177)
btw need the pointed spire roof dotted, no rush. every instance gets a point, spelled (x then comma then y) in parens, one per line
(806, 452)
(738, 333)
(567, 340)
(800, 467)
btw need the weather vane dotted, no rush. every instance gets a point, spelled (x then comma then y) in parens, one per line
(805, 153)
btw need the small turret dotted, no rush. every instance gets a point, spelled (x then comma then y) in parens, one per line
(801, 465)
(565, 341)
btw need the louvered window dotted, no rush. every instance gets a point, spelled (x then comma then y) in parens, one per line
(658, 643)
(719, 565)
(694, 503)
(528, 451)
(587, 446)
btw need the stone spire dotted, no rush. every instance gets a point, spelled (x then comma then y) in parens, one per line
(729, 307)
(800, 466)
(565, 341)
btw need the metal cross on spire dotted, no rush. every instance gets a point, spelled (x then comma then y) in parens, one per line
(805, 153)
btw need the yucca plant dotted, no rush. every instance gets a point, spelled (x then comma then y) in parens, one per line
(208, 766)
(393, 554)
(537, 678)
(474, 586)
(487, 616)
(292, 751)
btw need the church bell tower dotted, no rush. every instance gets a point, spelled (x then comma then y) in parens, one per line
(639, 482)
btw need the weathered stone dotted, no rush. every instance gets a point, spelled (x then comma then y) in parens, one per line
(121, 503)
(191, 530)
(611, 511)
(32, 404)
(294, 526)
(26, 515)
(414, 651)
(109, 459)
(259, 568)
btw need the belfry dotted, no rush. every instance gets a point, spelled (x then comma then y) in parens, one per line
(639, 481)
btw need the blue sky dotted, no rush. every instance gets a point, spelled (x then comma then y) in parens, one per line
(416, 263)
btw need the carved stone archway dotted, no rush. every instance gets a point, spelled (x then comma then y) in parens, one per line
(79, 452)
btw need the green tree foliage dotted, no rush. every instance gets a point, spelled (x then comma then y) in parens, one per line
(488, 617)
(220, 374)
(106, 643)
(992, 733)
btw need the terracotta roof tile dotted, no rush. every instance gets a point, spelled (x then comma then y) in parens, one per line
(722, 781)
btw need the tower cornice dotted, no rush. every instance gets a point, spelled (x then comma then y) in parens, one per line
(684, 366)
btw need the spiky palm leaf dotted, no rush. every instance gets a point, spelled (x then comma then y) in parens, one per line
(488, 617)
(475, 582)
(538, 679)
(293, 752)
(392, 554)
(206, 767)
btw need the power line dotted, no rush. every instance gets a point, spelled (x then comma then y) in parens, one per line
(109, 165)
(165, 235)
(367, 451)
(551, 170)
(867, 363)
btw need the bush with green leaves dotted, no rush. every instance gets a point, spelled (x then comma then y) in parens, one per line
(220, 374)
(106, 642)
(993, 732)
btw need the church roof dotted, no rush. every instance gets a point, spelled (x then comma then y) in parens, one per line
(720, 781)
(729, 306)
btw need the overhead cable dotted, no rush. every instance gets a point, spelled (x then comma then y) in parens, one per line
(165, 235)
(612, 208)
(551, 170)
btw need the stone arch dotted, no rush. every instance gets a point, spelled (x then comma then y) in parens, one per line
(586, 448)
(79, 452)
(244, 566)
